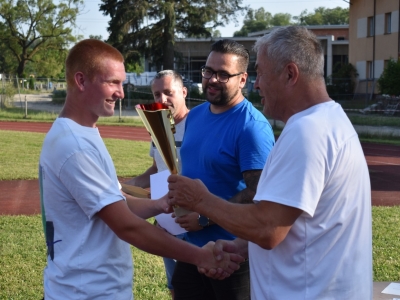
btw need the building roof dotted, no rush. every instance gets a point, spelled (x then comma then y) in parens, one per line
(310, 27)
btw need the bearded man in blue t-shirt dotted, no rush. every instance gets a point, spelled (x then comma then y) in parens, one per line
(226, 144)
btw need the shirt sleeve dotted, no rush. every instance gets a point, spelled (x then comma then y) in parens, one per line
(85, 177)
(255, 144)
(294, 174)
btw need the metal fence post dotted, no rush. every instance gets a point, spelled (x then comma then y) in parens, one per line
(26, 108)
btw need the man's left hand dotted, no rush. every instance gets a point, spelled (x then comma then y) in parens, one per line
(189, 222)
(163, 205)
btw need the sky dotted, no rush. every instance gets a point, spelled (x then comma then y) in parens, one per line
(92, 21)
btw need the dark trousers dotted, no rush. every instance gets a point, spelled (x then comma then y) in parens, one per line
(189, 284)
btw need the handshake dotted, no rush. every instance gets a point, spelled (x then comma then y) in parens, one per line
(223, 258)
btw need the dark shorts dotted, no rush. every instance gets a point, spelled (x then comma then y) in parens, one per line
(189, 284)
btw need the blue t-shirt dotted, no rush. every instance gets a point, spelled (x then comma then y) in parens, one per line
(218, 148)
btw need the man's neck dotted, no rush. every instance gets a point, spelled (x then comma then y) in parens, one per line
(181, 116)
(216, 109)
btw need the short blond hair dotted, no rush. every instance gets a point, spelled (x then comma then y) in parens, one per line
(87, 57)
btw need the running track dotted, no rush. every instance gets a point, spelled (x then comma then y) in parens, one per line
(383, 163)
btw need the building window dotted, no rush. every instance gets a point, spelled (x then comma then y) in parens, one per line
(388, 23)
(371, 26)
(385, 63)
(370, 70)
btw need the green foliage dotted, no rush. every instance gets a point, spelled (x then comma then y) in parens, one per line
(389, 81)
(31, 83)
(216, 33)
(96, 37)
(34, 30)
(58, 96)
(49, 63)
(7, 93)
(255, 20)
(194, 93)
(259, 19)
(340, 85)
(135, 67)
(254, 97)
(281, 19)
(149, 28)
(8, 64)
(324, 16)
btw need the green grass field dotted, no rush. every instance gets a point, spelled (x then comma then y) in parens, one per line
(22, 246)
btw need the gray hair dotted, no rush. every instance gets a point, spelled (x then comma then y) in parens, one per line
(293, 44)
(177, 77)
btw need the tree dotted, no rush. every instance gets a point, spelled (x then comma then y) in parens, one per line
(48, 63)
(281, 19)
(340, 85)
(149, 28)
(388, 82)
(216, 33)
(29, 27)
(324, 16)
(96, 37)
(259, 19)
(7, 62)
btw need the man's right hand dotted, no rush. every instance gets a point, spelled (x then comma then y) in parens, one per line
(237, 250)
(220, 268)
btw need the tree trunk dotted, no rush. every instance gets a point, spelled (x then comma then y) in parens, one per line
(21, 68)
(169, 36)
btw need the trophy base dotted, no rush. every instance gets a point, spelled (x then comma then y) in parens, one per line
(180, 211)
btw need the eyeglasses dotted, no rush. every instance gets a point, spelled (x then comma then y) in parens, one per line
(222, 77)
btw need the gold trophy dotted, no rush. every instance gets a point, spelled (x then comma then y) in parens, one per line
(159, 122)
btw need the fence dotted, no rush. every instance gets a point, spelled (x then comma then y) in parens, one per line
(362, 109)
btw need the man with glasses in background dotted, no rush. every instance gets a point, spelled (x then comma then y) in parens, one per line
(226, 144)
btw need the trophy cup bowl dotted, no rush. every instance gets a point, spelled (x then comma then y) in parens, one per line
(160, 124)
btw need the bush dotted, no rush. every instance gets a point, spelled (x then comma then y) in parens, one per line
(58, 96)
(194, 93)
(389, 81)
(254, 97)
(7, 93)
(139, 93)
(31, 83)
(340, 84)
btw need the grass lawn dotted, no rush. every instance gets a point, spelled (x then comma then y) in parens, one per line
(23, 258)
(22, 246)
(17, 114)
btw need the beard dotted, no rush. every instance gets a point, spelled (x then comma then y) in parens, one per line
(223, 98)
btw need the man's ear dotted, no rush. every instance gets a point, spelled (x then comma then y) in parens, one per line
(184, 91)
(80, 80)
(243, 79)
(292, 73)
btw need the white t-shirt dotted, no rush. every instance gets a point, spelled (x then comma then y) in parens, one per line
(86, 260)
(178, 135)
(318, 166)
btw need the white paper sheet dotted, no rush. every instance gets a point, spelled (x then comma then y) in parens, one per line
(392, 289)
(159, 187)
